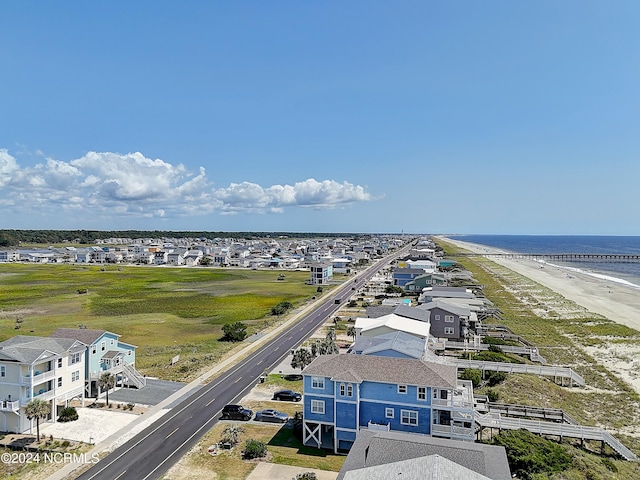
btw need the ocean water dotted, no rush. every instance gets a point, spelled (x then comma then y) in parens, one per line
(627, 272)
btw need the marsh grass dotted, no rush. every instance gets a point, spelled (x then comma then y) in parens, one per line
(163, 311)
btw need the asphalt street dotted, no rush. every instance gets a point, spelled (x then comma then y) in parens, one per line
(154, 450)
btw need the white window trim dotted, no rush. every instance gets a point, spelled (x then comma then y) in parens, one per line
(343, 389)
(317, 382)
(389, 412)
(448, 318)
(402, 387)
(3, 371)
(349, 389)
(317, 406)
(437, 317)
(408, 415)
(424, 390)
(449, 330)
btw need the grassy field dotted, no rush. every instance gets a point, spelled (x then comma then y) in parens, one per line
(164, 311)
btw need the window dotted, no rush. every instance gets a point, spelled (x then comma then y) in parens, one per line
(3, 371)
(408, 417)
(59, 381)
(129, 353)
(437, 317)
(449, 330)
(388, 412)
(448, 318)
(75, 376)
(103, 346)
(343, 389)
(75, 358)
(317, 382)
(93, 349)
(349, 390)
(402, 389)
(317, 406)
(346, 390)
(422, 393)
(59, 363)
(112, 340)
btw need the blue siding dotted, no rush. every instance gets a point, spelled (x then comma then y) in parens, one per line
(388, 392)
(316, 417)
(375, 412)
(308, 389)
(346, 415)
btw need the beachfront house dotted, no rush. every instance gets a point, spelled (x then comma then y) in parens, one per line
(105, 353)
(344, 394)
(450, 321)
(321, 273)
(45, 368)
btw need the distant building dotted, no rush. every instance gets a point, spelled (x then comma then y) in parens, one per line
(321, 273)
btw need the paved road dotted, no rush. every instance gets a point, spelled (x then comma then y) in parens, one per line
(154, 450)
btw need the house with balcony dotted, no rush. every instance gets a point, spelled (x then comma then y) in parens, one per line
(105, 352)
(344, 394)
(450, 321)
(45, 368)
(321, 273)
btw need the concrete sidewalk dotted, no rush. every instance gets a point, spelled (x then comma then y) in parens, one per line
(272, 471)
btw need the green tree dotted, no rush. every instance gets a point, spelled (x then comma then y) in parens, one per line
(393, 289)
(234, 332)
(37, 408)
(281, 308)
(472, 374)
(106, 382)
(301, 358)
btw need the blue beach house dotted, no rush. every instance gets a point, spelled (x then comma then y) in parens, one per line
(105, 353)
(344, 394)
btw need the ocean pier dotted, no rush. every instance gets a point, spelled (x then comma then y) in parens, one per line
(561, 257)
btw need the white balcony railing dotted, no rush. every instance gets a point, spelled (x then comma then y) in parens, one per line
(39, 377)
(452, 431)
(7, 406)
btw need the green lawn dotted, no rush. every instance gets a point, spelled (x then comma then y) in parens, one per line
(164, 311)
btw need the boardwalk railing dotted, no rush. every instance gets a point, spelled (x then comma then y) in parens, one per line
(495, 420)
(546, 414)
(563, 257)
(531, 352)
(542, 370)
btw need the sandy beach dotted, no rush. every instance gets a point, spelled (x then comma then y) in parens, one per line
(582, 293)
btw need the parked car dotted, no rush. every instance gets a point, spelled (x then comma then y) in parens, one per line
(271, 416)
(236, 412)
(288, 395)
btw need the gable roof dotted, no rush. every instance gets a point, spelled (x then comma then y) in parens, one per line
(85, 335)
(413, 313)
(28, 349)
(373, 448)
(342, 367)
(430, 467)
(394, 322)
(447, 307)
(397, 341)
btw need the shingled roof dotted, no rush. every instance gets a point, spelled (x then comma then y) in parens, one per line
(85, 335)
(382, 369)
(27, 349)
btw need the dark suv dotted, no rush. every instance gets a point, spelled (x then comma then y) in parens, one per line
(236, 412)
(287, 395)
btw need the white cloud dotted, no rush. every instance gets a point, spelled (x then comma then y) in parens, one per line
(106, 183)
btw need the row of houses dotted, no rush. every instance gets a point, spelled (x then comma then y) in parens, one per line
(57, 369)
(341, 253)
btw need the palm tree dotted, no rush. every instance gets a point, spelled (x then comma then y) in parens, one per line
(351, 331)
(106, 382)
(301, 358)
(37, 408)
(231, 434)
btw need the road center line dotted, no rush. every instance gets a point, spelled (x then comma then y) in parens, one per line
(172, 432)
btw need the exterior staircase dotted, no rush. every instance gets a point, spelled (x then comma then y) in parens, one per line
(133, 378)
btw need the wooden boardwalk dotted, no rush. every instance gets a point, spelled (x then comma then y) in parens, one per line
(562, 257)
(495, 420)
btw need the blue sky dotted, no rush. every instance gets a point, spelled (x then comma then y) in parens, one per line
(333, 116)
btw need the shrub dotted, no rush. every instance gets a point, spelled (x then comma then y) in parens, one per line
(306, 476)
(234, 332)
(495, 378)
(281, 308)
(472, 374)
(529, 454)
(495, 349)
(68, 414)
(492, 395)
(255, 449)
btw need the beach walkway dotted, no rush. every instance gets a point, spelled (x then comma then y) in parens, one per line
(562, 373)
(496, 420)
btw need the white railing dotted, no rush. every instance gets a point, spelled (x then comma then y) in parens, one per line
(531, 352)
(543, 370)
(133, 376)
(452, 431)
(382, 427)
(40, 377)
(7, 406)
(495, 420)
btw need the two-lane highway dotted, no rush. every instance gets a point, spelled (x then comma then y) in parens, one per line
(150, 453)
